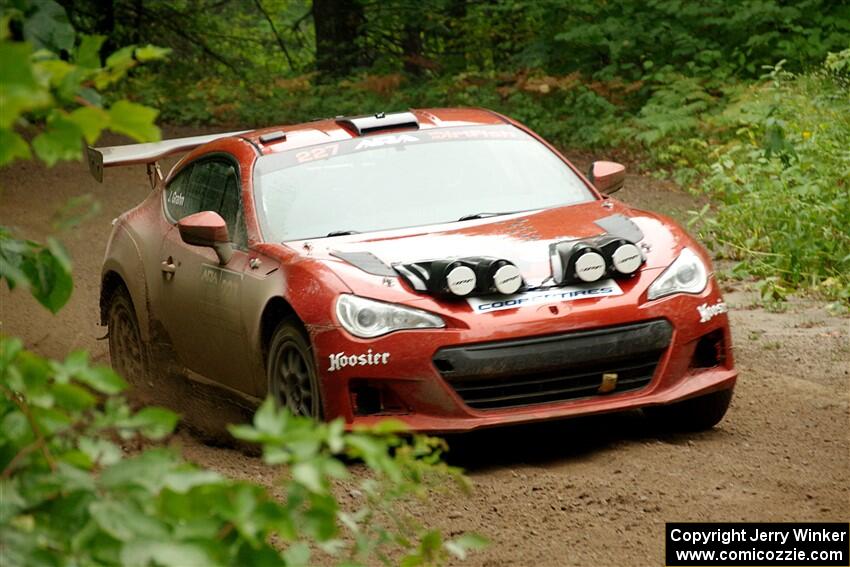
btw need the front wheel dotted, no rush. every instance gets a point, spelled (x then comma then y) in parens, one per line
(291, 370)
(695, 414)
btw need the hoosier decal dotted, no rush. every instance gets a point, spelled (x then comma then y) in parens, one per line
(341, 359)
(543, 296)
(708, 312)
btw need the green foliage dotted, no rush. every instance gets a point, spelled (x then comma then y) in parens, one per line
(44, 270)
(781, 183)
(712, 38)
(41, 87)
(49, 106)
(629, 40)
(604, 63)
(70, 496)
(838, 65)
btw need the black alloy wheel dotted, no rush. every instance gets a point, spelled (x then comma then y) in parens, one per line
(291, 370)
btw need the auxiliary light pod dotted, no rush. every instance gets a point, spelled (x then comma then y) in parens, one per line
(624, 258)
(463, 277)
(577, 262)
(494, 275)
(591, 260)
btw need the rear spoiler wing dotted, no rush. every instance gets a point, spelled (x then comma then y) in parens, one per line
(148, 154)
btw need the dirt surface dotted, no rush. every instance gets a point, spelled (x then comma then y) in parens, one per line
(593, 491)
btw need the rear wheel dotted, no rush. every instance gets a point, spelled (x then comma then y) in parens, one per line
(291, 370)
(127, 350)
(695, 414)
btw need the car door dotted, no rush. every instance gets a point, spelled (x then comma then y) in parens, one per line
(201, 299)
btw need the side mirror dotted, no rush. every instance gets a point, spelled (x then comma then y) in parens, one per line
(607, 176)
(208, 229)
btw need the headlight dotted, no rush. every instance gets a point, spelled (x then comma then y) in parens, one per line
(367, 318)
(687, 274)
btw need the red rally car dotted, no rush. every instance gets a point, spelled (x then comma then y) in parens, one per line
(445, 267)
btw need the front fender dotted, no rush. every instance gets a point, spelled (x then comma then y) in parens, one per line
(286, 284)
(123, 258)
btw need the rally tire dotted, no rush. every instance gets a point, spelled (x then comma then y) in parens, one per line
(291, 370)
(695, 414)
(128, 352)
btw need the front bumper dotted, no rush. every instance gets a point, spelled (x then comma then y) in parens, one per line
(481, 370)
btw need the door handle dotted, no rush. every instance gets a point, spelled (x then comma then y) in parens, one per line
(168, 266)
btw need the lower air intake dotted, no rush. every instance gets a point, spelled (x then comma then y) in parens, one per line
(555, 368)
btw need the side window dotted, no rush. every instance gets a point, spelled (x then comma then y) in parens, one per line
(178, 201)
(209, 186)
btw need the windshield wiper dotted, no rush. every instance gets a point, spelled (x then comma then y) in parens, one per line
(341, 233)
(480, 216)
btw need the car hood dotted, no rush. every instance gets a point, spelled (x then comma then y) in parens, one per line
(523, 239)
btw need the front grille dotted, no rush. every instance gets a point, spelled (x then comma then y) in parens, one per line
(555, 368)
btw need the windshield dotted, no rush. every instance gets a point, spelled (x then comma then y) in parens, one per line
(409, 179)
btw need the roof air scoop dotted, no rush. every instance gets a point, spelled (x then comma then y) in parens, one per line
(381, 121)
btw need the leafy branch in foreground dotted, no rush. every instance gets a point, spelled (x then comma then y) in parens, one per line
(50, 103)
(69, 496)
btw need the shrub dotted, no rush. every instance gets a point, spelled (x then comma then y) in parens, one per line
(70, 496)
(782, 184)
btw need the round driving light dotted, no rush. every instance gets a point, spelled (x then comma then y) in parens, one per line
(460, 280)
(626, 259)
(507, 279)
(590, 266)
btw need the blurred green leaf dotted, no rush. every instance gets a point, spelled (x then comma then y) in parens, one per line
(462, 545)
(48, 27)
(167, 554)
(102, 379)
(134, 120)
(88, 52)
(153, 422)
(121, 58)
(146, 470)
(126, 521)
(73, 397)
(12, 147)
(61, 140)
(100, 451)
(151, 53)
(310, 475)
(91, 120)
(49, 278)
(297, 555)
(19, 90)
(182, 481)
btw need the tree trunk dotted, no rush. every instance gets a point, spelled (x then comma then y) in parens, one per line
(411, 46)
(104, 25)
(338, 27)
(455, 59)
(104, 12)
